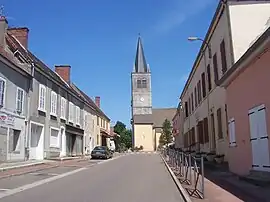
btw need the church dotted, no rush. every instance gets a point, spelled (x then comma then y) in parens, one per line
(146, 121)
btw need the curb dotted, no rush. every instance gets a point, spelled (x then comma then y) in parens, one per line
(183, 192)
(21, 166)
(30, 171)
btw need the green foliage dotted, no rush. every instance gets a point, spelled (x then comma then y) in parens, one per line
(166, 135)
(125, 139)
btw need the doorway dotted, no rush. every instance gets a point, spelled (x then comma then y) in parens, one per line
(213, 139)
(36, 150)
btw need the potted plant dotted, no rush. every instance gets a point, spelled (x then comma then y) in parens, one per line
(219, 158)
(210, 156)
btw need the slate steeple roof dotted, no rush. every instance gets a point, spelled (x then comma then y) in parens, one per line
(140, 61)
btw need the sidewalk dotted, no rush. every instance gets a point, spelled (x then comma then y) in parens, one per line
(20, 164)
(222, 186)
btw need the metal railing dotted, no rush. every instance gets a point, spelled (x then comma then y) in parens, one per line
(188, 168)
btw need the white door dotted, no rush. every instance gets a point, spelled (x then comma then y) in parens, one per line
(259, 139)
(36, 142)
(63, 142)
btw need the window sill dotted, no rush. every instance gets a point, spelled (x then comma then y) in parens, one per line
(63, 118)
(232, 145)
(53, 114)
(42, 110)
(54, 147)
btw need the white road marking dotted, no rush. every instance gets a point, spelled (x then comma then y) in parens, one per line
(10, 192)
(4, 189)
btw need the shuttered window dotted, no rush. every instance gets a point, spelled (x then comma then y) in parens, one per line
(223, 56)
(219, 119)
(231, 126)
(2, 91)
(209, 78)
(203, 85)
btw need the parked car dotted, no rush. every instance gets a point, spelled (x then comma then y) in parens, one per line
(101, 152)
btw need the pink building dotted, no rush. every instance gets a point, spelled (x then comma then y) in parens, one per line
(248, 108)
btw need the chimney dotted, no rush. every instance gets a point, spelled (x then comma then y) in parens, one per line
(97, 101)
(3, 30)
(63, 71)
(21, 34)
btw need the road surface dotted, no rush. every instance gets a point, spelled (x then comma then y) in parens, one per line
(130, 178)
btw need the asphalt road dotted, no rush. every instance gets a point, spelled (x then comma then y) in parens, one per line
(132, 178)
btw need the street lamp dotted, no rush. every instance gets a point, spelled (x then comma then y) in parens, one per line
(194, 38)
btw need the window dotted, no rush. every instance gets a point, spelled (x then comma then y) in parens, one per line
(231, 126)
(192, 102)
(223, 56)
(97, 120)
(71, 112)
(2, 92)
(203, 85)
(63, 108)
(77, 116)
(186, 109)
(144, 83)
(42, 98)
(209, 78)
(53, 103)
(205, 130)
(139, 83)
(189, 106)
(215, 65)
(14, 140)
(199, 91)
(196, 97)
(19, 100)
(55, 138)
(219, 119)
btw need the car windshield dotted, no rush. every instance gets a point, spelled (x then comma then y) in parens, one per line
(100, 148)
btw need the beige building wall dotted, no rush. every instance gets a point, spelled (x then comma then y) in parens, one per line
(143, 136)
(216, 97)
(247, 21)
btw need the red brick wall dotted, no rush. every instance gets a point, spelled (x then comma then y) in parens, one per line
(64, 72)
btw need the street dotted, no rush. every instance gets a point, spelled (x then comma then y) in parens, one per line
(133, 178)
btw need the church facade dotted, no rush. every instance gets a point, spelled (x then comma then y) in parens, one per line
(146, 121)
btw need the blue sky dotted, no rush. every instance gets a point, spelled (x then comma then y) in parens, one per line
(98, 39)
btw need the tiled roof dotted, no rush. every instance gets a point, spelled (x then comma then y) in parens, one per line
(157, 117)
(92, 104)
(53, 75)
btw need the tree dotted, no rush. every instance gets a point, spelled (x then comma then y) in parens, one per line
(166, 135)
(125, 139)
(119, 127)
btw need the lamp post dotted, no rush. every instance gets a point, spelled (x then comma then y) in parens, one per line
(205, 66)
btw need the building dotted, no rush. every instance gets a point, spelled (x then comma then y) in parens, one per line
(178, 127)
(248, 108)
(15, 80)
(204, 103)
(49, 115)
(146, 121)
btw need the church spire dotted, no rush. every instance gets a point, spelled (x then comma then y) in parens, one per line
(140, 62)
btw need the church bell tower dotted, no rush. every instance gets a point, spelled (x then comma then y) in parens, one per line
(141, 101)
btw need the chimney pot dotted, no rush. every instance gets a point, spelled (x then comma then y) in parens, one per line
(97, 101)
(21, 34)
(63, 71)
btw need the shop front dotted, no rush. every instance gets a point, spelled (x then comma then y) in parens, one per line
(12, 137)
(74, 140)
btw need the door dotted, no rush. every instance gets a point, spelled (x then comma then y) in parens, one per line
(63, 142)
(213, 139)
(36, 150)
(259, 139)
(3, 144)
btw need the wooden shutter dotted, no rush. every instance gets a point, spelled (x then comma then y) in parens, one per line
(219, 119)
(223, 56)
(203, 85)
(209, 77)
(215, 65)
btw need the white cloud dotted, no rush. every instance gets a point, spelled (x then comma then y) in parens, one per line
(180, 12)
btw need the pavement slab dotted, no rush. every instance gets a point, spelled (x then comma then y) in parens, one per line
(133, 178)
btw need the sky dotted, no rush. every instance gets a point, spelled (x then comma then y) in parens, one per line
(98, 39)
